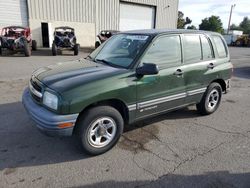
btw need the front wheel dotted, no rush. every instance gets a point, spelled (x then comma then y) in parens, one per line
(99, 129)
(76, 49)
(210, 100)
(54, 49)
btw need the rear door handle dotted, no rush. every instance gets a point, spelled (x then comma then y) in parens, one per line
(178, 72)
(211, 65)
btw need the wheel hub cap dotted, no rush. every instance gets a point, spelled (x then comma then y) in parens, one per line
(101, 132)
(213, 99)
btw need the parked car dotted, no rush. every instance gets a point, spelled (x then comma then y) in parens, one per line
(17, 39)
(64, 39)
(135, 75)
(103, 36)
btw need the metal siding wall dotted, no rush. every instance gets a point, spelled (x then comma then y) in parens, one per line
(104, 13)
(107, 14)
(62, 10)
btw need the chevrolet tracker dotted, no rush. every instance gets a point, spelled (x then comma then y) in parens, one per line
(131, 76)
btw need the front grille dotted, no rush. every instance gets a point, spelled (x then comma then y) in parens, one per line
(36, 98)
(35, 90)
(35, 85)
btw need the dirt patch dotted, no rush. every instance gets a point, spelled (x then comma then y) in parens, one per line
(230, 101)
(136, 139)
(8, 171)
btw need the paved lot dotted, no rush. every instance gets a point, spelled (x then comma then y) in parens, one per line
(179, 149)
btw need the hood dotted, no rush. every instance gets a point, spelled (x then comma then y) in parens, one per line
(67, 75)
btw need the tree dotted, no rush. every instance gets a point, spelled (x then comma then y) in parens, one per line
(245, 25)
(235, 27)
(212, 23)
(192, 27)
(181, 21)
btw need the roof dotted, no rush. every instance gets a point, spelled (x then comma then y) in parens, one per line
(15, 27)
(154, 32)
(64, 27)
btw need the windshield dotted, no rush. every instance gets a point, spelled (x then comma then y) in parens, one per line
(120, 50)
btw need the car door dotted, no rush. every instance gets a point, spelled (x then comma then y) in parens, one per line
(166, 90)
(199, 63)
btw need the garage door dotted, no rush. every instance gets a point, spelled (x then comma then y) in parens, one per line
(133, 16)
(13, 12)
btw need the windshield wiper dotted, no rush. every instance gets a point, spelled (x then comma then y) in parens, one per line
(90, 58)
(105, 62)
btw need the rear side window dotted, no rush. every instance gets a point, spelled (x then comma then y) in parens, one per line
(220, 46)
(165, 50)
(206, 48)
(192, 48)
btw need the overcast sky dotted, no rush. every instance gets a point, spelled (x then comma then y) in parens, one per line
(196, 10)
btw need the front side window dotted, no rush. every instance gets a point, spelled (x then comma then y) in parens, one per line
(192, 48)
(120, 50)
(165, 51)
(220, 46)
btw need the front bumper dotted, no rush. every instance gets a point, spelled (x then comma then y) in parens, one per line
(46, 120)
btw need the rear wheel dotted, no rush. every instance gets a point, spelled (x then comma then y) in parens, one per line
(210, 100)
(34, 45)
(27, 50)
(99, 129)
(54, 49)
(76, 49)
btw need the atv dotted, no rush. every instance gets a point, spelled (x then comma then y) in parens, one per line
(17, 39)
(64, 39)
(103, 36)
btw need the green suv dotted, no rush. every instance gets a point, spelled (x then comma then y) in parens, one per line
(130, 77)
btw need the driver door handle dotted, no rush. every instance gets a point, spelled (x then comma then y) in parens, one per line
(178, 72)
(211, 65)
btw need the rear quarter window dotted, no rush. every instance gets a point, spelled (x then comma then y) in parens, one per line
(220, 46)
(207, 52)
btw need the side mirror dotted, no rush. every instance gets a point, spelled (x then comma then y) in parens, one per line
(147, 69)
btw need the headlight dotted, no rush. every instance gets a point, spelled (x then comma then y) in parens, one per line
(50, 100)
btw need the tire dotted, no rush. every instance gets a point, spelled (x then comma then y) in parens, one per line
(27, 50)
(89, 121)
(0, 50)
(34, 45)
(54, 49)
(76, 49)
(97, 44)
(210, 100)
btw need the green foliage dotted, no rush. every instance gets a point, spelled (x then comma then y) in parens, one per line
(245, 25)
(235, 27)
(212, 23)
(192, 27)
(182, 22)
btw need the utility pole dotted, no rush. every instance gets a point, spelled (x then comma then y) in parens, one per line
(229, 21)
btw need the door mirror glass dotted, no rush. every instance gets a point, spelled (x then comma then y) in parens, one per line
(147, 69)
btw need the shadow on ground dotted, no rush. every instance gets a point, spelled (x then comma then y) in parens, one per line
(23, 145)
(221, 179)
(242, 72)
